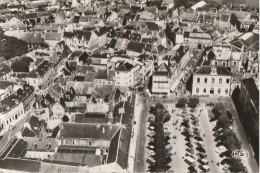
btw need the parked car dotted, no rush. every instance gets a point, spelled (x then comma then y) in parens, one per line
(204, 168)
(190, 161)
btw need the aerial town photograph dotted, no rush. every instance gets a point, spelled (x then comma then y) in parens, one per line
(132, 86)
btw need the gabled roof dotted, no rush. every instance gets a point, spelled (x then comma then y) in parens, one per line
(135, 46)
(41, 70)
(152, 26)
(33, 127)
(163, 69)
(249, 40)
(124, 67)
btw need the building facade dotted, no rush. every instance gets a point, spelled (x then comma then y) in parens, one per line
(161, 80)
(212, 81)
(249, 98)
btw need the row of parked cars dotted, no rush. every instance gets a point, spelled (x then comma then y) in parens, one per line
(194, 139)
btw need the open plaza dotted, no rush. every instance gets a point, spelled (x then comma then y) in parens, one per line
(193, 146)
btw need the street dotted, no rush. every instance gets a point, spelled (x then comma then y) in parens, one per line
(140, 148)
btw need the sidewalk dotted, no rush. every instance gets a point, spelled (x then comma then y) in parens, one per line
(135, 130)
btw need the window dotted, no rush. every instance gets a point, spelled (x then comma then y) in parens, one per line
(216, 63)
(219, 90)
(226, 90)
(220, 80)
(197, 90)
(227, 80)
(235, 63)
(90, 143)
(205, 80)
(198, 80)
(204, 90)
(213, 80)
(224, 63)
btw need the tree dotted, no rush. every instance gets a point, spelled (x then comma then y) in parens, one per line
(180, 3)
(193, 102)
(224, 121)
(181, 103)
(229, 115)
(236, 165)
(218, 110)
(65, 118)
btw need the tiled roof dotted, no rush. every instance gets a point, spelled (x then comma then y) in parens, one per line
(124, 67)
(220, 70)
(163, 69)
(5, 84)
(250, 40)
(135, 46)
(41, 70)
(94, 118)
(9, 102)
(90, 131)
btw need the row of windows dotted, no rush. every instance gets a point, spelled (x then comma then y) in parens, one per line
(81, 143)
(15, 117)
(211, 90)
(213, 80)
(224, 63)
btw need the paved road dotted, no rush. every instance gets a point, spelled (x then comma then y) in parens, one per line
(140, 148)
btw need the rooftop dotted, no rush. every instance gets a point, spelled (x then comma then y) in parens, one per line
(252, 91)
(207, 70)
(90, 131)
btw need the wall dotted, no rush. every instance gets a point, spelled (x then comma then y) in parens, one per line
(220, 89)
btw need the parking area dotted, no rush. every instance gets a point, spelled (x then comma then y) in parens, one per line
(192, 140)
(192, 144)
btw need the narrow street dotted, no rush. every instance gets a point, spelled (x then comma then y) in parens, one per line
(140, 146)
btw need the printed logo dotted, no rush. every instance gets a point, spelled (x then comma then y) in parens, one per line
(238, 154)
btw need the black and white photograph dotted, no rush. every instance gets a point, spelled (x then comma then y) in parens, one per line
(129, 86)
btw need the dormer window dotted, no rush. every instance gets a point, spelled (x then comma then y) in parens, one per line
(34, 146)
(48, 146)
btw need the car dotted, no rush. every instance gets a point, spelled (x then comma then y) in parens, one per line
(151, 147)
(204, 168)
(201, 155)
(190, 161)
(203, 161)
(151, 152)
